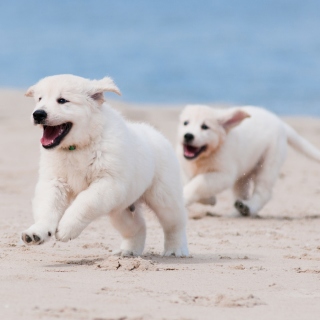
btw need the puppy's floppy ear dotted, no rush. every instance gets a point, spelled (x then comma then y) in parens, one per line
(101, 86)
(30, 92)
(233, 118)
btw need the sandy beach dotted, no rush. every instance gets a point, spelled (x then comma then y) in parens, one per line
(240, 268)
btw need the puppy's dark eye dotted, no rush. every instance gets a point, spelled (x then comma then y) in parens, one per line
(186, 123)
(40, 99)
(62, 101)
(204, 127)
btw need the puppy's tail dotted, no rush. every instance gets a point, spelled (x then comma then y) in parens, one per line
(301, 144)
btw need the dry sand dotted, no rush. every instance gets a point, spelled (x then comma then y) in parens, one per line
(266, 268)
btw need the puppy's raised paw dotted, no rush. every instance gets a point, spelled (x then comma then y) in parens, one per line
(68, 230)
(243, 209)
(36, 234)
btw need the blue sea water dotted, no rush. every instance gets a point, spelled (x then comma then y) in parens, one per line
(262, 52)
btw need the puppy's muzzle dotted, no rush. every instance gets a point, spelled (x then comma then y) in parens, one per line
(39, 116)
(188, 137)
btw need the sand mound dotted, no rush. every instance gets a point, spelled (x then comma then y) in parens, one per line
(128, 264)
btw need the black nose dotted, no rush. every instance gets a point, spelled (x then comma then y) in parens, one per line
(39, 116)
(188, 137)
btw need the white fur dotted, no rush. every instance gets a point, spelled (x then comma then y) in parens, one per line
(246, 148)
(115, 164)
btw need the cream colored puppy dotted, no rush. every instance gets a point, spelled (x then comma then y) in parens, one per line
(95, 163)
(240, 148)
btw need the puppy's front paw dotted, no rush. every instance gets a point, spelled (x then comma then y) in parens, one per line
(36, 234)
(68, 230)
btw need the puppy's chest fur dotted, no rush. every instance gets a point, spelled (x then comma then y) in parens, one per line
(200, 167)
(78, 168)
(207, 164)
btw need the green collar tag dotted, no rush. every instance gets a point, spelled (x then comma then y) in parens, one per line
(72, 148)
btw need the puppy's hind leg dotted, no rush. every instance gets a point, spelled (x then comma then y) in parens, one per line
(261, 195)
(241, 188)
(264, 180)
(167, 203)
(131, 225)
(241, 191)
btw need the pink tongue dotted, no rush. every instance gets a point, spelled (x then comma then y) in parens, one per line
(190, 151)
(50, 134)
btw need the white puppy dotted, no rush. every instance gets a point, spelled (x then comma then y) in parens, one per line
(239, 148)
(94, 163)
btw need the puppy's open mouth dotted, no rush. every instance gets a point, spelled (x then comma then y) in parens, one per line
(53, 135)
(191, 152)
